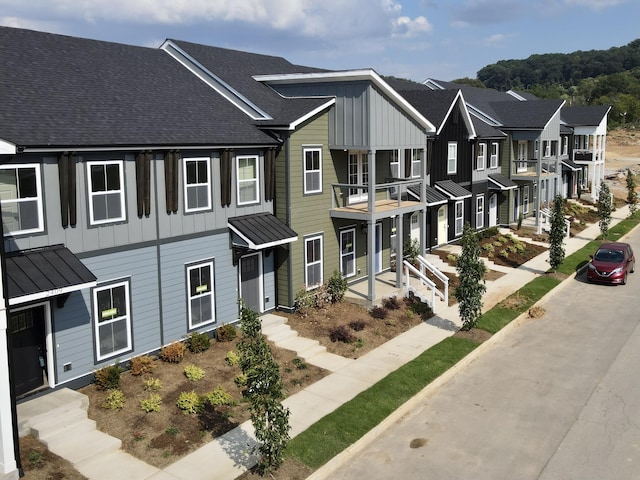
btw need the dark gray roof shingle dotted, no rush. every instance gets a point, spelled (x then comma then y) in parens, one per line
(590, 115)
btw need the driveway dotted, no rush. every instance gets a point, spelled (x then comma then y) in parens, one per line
(555, 398)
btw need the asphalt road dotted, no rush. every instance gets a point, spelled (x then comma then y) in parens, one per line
(557, 398)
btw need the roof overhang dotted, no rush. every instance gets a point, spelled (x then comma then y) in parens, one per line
(571, 165)
(260, 231)
(350, 76)
(7, 148)
(452, 190)
(44, 273)
(502, 182)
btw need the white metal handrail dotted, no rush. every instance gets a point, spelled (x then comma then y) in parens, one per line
(424, 263)
(408, 269)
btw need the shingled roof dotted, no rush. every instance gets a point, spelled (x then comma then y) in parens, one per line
(61, 91)
(584, 115)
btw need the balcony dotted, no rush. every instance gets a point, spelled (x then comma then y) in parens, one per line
(548, 168)
(582, 156)
(392, 198)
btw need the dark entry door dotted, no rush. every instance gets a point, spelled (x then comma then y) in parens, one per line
(250, 281)
(28, 352)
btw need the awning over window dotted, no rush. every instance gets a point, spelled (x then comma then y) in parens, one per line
(433, 196)
(260, 230)
(497, 181)
(452, 190)
(45, 272)
(570, 165)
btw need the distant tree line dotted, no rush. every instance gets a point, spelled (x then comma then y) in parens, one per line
(595, 77)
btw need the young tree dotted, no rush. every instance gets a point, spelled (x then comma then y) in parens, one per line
(471, 270)
(632, 195)
(604, 209)
(264, 391)
(557, 233)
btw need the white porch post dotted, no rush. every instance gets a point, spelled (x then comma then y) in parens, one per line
(8, 466)
(371, 227)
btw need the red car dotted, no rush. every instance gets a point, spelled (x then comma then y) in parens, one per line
(611, 263)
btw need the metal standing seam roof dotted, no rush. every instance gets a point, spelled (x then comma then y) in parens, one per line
(261, 230)
(45, 272)
(503, 182)
(452, 190)
(571, 165)
(433, 196)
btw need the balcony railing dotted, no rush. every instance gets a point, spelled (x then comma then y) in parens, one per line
(388, 195)
(582, 155)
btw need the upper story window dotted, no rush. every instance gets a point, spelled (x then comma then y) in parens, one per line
(565, 145)
(494, 155)
(21, 199)
(312, 170)
(452, 158)
(197, 184)
(106, 192)
(482, 156)
(112, 319)
(394, 164)
(247, 178)
(522, 156)
(546, 144)
(415, 156)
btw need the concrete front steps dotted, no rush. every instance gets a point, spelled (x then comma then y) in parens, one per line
(59, 420)
(276, 329)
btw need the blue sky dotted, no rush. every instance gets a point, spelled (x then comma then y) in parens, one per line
(416, 39)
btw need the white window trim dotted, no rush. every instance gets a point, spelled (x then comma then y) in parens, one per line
(307, 264)
(92, 194)
(127, 318)
(451, 158)
(352, 231)
(38, 198)
(210, 293)
(482, 156)
(494, 157)
(480, 211)
(255, 180)
(415, 164)
(306, 150)
(207, 161)
(525, 199)
(458, 231)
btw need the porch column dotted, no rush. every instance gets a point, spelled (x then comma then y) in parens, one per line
(538, 177)
(8, 466)
(371, 259)
(399, 249)
(371, 196)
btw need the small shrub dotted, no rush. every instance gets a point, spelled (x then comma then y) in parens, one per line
(240, 380)
(151, 403)
(152, 384)
(341, 334)
(504, 253)
(172, 353)
(412, 250)
(322, 297)
(503, 239)
(488, 247)
(305, 301)
(299, 363)
(198, 342)
(193, 373)
(226, 333)
(512, 249)
(359, 343)
(141, 365)
(391, 303)
(36, 459)
(520, 247)
(173, 431)
(357, 325)
(232, 358)
(418, 307)
(337, 286)
(114, 400)
(488, 233)
(218, 397)
(452, 259)
(379, 312)
(189, 402)
(108, 378)
(497, 243)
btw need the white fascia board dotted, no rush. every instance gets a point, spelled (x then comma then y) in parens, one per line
(483, 116)
(557, 112)
(50, 293)
(108, 148)
(312, 113)
(254, 246)
(350, 76)
(7, 148)
(465, 110)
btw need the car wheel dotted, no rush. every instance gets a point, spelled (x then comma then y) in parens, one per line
(624, 279)
(633, 266)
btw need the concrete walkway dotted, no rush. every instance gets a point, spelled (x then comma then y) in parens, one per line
(229, 456)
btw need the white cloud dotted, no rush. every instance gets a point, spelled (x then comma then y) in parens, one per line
(594, 4)
(496, 39)
(406, 27)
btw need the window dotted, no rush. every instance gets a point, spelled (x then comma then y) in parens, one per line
(522, 157)
(313, 261)
(247, 175)
(459, 210)
(480, 211)
(312, 170)
(200, 291)
(112, 319)
(394, 236)
(546, 144)
(348, 252)
(358, 175)
(494, 155)
(394, 164)
(197, 184)
(525, 199)
(21, 199)
(415, 156)
(565, 145)
(482, 156)
(452, 158)
(106, 192)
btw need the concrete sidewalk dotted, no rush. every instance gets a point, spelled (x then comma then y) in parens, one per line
(229, 456)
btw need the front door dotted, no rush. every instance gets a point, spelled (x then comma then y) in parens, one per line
(493, 210)
(27, 328)
(250, 287)
(442, 225)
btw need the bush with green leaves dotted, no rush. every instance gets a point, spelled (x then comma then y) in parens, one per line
(114, 400)
(226, 333)
(632, 194)
(337, 287)
(605, 208)
(471, 270)
(108, 378)
(304, 302)
(189, 402)
(152, 384)
(193, 372)
(232, 358)
(557, 233)
(151, 404)
(198, 342)
(218, 397)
